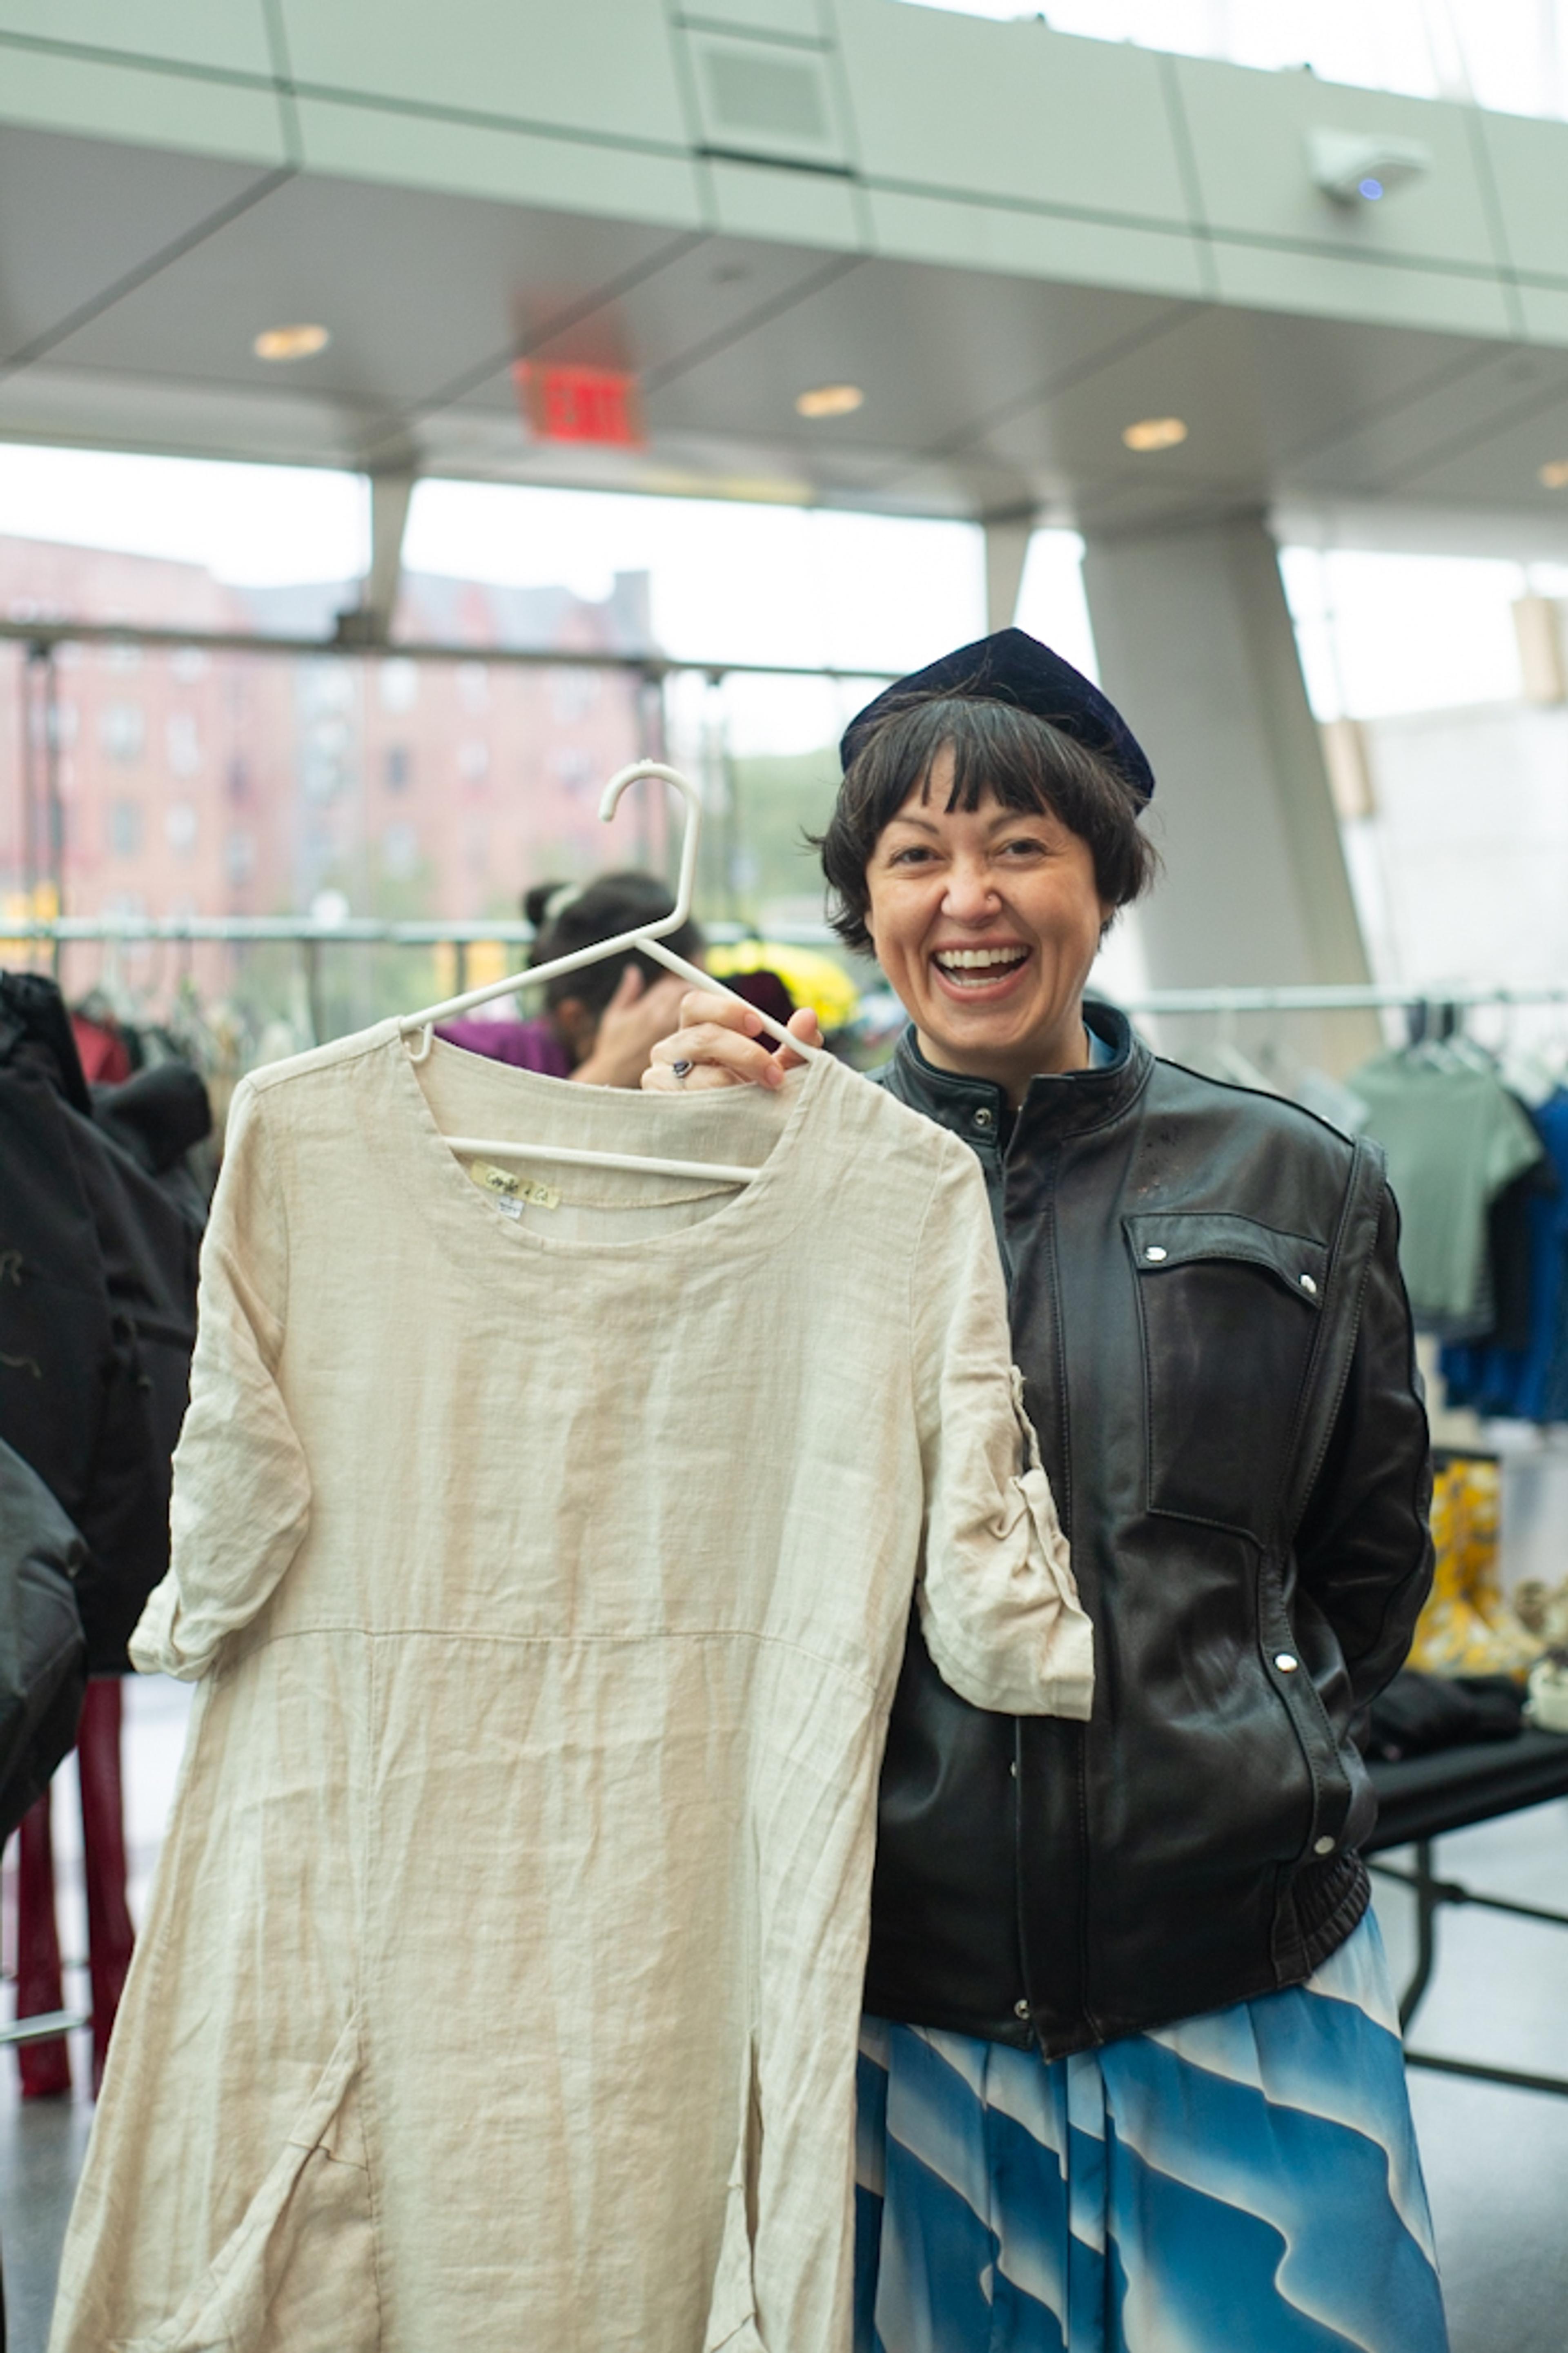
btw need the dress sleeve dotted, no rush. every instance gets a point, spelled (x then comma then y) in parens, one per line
(242, 1497)
(998, 1605)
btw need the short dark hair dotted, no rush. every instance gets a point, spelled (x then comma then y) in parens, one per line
(565, 920)
(1024, 761)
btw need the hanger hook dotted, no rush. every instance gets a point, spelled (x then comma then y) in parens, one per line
(642, 935)
(687, 883)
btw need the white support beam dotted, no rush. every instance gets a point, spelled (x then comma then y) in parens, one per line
(1007, 539)
(1196, 647)
(370, 621)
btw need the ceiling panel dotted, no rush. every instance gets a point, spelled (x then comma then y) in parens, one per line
(932, 350)
(1379, 453)
(1500, 459)
(719, 291)
(78, 217)
(596, 66)
(1082, 124)
(984, 392)
(227, 34)
(416, 289)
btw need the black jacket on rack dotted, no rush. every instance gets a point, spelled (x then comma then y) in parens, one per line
(43, 1658)
(1217, 1355)
(97, 1279)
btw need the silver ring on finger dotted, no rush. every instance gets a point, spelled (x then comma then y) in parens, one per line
(681, 1071)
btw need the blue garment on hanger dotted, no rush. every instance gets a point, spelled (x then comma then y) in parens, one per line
(1528, 1384)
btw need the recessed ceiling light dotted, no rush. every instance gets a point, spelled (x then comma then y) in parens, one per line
(1555, 475)
(829, 400)
(291, 343)
(1155, 433)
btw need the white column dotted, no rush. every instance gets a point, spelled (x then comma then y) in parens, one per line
(368, 623)
(1007, 539)
(1197, 647)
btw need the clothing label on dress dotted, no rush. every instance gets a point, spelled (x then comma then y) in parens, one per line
(509, 1192)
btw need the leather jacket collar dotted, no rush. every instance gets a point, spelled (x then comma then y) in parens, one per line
(1068, 1103)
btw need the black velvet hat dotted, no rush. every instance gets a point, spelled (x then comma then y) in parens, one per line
(1013, 667)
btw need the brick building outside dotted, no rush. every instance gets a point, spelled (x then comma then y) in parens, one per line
(235, 783)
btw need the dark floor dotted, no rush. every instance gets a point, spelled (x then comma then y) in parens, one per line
(1497, 2160)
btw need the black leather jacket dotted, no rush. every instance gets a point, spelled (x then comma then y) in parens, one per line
(1216, 1347)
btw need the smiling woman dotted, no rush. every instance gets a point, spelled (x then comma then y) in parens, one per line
(981, 853)
(1130, 2054)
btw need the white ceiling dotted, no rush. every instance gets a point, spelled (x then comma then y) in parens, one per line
(132, 281)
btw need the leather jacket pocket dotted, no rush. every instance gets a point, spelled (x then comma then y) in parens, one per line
(1229, 1311)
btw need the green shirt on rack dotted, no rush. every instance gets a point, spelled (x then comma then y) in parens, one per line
(1455, 1136)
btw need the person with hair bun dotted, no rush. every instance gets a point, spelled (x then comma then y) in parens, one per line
(599, 1025)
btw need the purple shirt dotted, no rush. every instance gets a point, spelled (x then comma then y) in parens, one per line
(526, 1045)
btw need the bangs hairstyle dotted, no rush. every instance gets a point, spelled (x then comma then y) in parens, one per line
(1026, 762)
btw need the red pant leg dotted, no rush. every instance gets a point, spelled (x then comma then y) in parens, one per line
(109, 1935)
(45, 2067)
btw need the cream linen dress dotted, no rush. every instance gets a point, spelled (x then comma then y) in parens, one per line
(544, 1576)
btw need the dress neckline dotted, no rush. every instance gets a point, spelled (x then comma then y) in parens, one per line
(658, 1116)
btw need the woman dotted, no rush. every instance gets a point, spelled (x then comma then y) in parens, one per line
(1131, 2078)
(599, 1025)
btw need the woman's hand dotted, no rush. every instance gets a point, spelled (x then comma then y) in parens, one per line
(722, 1043)
(639, 1014)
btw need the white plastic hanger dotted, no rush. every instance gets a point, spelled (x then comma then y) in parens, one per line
(649, 941)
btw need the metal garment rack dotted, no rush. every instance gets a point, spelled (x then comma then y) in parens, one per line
(310, 938)
(353, 931)
(304, 932)
(1350, 997)
(369, 932)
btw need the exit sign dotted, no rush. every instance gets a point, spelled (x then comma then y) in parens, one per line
(580, 403)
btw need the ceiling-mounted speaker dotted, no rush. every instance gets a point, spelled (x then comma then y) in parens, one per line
(767, 101)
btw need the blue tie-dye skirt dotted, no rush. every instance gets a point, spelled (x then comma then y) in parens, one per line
(1244, 2182)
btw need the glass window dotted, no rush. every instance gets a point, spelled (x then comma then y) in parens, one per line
(126, 829)
(573, 693)
(399, 685)
(123, 730)
(399, 851)
(185, 745)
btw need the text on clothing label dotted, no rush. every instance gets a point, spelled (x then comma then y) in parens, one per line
(509, 1192)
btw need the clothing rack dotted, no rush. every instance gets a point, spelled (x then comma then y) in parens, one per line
(1350, 996)
(312, 937)
(352, 931)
